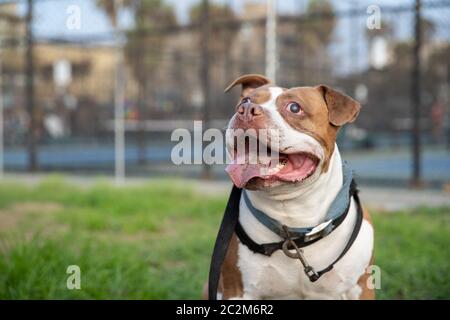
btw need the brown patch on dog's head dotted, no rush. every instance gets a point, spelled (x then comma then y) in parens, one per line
(342, 109)
(259, 95)
(320, 112)
(323, 111)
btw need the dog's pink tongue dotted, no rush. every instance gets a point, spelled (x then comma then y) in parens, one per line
(240, 174)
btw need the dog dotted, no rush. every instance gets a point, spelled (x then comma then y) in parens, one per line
(297, 193)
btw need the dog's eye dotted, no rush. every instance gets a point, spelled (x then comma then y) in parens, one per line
(246, 100)
(293, 107)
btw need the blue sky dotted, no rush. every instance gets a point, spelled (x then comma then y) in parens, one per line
(51, 14)
(51, 17)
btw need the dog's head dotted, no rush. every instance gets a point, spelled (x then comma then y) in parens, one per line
(299, 124)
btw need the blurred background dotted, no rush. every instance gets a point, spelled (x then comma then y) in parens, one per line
(94, 88)
(60, 92)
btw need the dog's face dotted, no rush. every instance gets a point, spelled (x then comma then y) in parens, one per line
(304, 123)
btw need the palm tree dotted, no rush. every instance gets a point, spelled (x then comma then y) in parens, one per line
(320, 30)
(143, 52)
(143, 49)
(111, 8)
(223, 31)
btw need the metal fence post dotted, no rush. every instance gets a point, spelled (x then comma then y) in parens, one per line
(29, 90)
(271, 40)
(119, 108)
(416, 99)
(205, 76)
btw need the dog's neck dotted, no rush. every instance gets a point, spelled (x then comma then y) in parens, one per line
(305, 205)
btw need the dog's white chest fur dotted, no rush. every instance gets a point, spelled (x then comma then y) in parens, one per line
(281, 277)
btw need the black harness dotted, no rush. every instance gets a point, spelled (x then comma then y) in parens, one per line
(230, 224)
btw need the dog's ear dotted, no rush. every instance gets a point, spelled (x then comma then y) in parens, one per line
(249, 82)
(342, 109)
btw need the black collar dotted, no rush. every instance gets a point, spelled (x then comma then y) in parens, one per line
(301, 240)
(335, 214)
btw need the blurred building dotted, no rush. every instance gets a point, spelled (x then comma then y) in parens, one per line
(80, 104)
(164, 63)
(236, 48)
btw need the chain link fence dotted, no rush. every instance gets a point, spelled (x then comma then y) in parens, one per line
(364, 48)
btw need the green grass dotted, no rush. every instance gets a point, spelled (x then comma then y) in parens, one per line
(155, 241)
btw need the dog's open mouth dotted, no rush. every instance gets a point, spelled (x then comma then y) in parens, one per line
(293, 167)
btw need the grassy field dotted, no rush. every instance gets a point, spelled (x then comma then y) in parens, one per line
(155, 241)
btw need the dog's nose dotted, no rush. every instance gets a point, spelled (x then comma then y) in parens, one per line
(248, 111)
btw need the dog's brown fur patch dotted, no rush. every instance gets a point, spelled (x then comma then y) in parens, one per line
(313, 120)
(231, 277)
(367, 293)
(230, 282)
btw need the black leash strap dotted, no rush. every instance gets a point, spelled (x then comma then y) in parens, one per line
(309, 270)
(223, 239)
(353, 236)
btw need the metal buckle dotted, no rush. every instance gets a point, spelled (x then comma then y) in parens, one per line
(313, 236)
(321, 230)
(309, 271)
(312, 274)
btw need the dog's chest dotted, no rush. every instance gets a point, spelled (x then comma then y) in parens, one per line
(281, 277)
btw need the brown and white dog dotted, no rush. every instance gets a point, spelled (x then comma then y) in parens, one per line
(298, 194)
